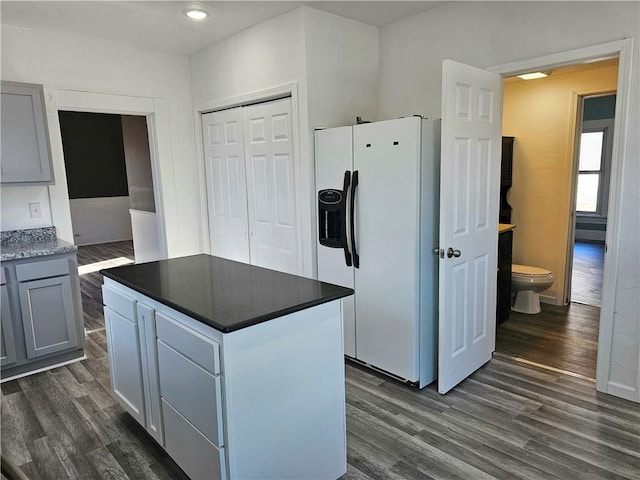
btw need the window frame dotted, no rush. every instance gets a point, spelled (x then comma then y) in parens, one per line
(606, 127)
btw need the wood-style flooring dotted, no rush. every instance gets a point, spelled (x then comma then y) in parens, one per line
(586, 274)
(506, 421)
(91, 259)
(564, 337)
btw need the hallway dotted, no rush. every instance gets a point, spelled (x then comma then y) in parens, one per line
(586, 277)
(562, 337)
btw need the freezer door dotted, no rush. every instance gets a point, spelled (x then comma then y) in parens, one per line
(334, 157)
(387, 162)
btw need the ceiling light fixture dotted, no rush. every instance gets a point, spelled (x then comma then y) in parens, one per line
(533, 76)
(195, 14)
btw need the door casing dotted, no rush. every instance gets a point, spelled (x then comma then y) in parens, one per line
(623, 50)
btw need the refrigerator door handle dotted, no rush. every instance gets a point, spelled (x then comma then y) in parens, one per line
(352, 221)
(343, 214)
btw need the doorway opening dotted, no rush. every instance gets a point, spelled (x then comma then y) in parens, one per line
(591, 179)
(109, 181)
(552, 186)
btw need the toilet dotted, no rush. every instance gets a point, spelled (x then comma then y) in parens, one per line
(527, 283)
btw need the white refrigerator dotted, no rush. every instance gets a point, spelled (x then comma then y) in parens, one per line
(377, 206)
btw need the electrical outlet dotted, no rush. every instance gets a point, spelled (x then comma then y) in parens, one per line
(35, 210)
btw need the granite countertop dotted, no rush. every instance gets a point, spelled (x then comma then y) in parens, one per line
(32, 242)
(224, 294)
(505, 227)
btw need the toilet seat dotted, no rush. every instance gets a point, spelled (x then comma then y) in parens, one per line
(527, 271)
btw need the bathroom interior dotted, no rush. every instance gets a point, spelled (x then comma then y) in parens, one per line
(559, 214)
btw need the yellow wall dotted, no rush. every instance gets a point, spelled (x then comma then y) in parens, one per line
(541, 115)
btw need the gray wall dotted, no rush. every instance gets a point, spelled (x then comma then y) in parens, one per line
(597, 108)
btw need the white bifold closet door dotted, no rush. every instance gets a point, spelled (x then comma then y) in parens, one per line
(253, 201)
(226, 184)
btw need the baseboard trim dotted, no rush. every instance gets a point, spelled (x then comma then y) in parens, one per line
(43, 369)
(550, 299)
(622, 391)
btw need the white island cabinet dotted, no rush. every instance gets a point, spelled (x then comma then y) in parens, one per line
(262, 400)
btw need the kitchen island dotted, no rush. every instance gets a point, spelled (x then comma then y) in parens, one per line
(236, 371)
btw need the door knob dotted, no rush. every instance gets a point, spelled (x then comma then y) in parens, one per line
(453, 253)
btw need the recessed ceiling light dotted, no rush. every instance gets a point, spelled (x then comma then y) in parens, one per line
(195, 14)
(533, 76)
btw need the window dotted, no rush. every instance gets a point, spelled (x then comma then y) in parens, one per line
(589, 171)
(593, 166)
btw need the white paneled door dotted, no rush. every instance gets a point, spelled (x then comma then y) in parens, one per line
(250, 185)
(226, 184)
(270, 185)
(469, 185)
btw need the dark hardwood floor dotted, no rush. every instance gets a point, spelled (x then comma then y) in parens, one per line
(586, 276)
(506, 421)
(564, 337)
(91, 259)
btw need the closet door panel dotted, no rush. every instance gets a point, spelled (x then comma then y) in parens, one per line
(226, 184)
(270, 186)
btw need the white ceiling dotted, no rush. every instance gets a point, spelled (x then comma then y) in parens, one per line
(161, 26)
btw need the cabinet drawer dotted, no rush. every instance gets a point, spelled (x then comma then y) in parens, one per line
(119, 302)
(199, 349)
(198, 457)
(44, 269)
(192, 391)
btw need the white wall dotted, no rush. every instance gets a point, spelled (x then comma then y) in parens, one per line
(485, 34)
(15, 207)
(342, 80)
(62, 62)
(342, 69)
(332, 60)
(137, 159)
(100, 220)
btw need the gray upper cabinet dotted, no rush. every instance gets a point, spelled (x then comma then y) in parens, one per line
(26, 156)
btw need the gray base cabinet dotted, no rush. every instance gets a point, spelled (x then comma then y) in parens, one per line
(47, 315)
(42, 322)
(125, 363)
(7, 345)
(131, 337)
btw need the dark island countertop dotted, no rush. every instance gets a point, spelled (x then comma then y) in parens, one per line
(224, 294)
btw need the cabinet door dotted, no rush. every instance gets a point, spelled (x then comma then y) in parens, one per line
(125, 363)
(150, 376)
(271, 193)
(25, 144)
(8, 349)
(48, 316)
